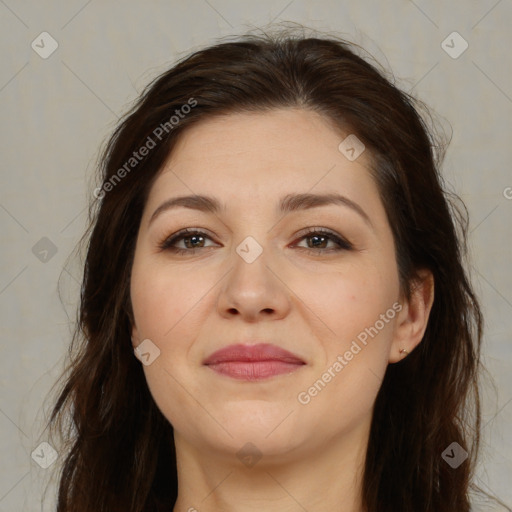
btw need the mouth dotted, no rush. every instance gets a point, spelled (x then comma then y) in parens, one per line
(253, 362)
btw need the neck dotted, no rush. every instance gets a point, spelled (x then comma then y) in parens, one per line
(326, 478)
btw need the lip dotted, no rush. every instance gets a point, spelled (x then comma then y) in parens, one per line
(253, 362)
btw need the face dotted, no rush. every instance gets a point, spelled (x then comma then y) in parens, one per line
(316, 279)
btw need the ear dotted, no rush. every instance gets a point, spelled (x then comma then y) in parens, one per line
(413, 318)
(135, 336)
(135, 333)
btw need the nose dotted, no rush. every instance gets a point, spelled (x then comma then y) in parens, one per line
(254, 291)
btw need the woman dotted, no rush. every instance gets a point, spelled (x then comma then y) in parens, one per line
(274, 311)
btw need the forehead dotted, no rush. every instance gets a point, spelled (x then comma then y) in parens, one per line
(290, 135)
(260, 156)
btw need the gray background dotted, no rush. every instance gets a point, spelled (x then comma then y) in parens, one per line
(56, 113)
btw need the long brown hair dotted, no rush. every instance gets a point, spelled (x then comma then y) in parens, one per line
(119, 447)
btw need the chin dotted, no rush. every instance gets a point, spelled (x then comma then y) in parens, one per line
(270, 426)
(274, 449)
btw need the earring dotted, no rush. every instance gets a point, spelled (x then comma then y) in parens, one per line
(404, 351)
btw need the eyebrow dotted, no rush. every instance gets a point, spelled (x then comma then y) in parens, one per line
(287, 204)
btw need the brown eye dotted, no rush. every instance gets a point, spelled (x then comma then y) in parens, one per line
(320, 237)
(192, 239)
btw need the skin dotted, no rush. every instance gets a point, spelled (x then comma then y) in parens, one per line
(312, 304)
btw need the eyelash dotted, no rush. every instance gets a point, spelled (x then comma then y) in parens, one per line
(343, 245)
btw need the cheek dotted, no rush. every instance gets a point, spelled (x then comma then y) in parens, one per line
(162, 297)
(348, 302)
(163, 303)
(348, 376)
(358, 307)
